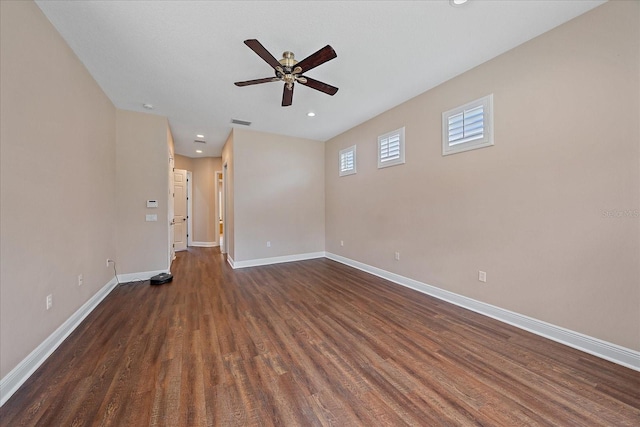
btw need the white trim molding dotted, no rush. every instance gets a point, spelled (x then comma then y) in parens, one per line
(18, 375)
(189, 208)
(139, 277)
(204, 244)
(275, 260)
(594, 346)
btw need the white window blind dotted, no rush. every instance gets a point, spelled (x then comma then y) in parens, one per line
(468, 127)
(391, 148)
(347, 159)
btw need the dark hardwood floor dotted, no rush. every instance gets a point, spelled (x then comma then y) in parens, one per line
(310, 343)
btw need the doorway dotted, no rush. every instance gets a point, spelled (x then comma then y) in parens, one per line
(219, 212)
(170, 208)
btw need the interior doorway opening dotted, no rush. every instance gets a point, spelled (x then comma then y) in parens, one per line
(220, 210)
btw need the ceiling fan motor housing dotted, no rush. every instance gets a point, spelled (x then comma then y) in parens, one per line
(287, 72)
(288, 59)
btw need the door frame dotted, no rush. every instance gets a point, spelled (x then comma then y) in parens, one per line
(219, 204)
(225, 244)
(189, 209)
(170, 212)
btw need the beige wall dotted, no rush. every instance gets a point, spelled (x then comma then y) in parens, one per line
(205, 217)
(278, 195)
(531, 211)
(183, 162)
(142, 173)
(57, 184)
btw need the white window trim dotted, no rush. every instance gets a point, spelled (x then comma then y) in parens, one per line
(400, 159)
(471, 144)
(351, 171)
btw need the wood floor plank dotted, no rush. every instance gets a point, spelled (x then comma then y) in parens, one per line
(193, 407)
(310, 343)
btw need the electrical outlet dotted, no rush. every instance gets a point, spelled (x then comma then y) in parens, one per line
(397, 256)
(80, 279)
(482, 276)
(341, 242)
(49, 301)
(268, 244)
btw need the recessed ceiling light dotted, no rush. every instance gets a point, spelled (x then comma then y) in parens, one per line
(199, 151)
(457, 2)
(148, 106)
(311, 114)
(199, 136)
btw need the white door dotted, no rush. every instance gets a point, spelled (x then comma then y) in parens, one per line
(180, 209)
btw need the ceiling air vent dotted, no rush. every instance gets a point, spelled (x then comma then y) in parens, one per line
(199, 141)
(240, 122)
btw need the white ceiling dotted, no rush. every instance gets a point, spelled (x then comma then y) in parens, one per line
(184, 56)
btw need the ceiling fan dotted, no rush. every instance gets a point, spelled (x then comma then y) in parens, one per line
(289, 71)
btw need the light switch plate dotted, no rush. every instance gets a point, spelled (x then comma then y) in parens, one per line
(152, 217)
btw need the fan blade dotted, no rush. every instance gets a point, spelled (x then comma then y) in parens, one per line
(287, 96)
(257, 81)
(263, 53)
(320, 57)
(317, 85)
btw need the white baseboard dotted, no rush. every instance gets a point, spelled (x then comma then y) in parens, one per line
(230, 261)
(18, 375)
(603, 349)
(139, 277)
(275, 260)
(204, 244)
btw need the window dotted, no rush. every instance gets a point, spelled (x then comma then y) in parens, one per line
(391, 148)
(348, 161)
(468, 127)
